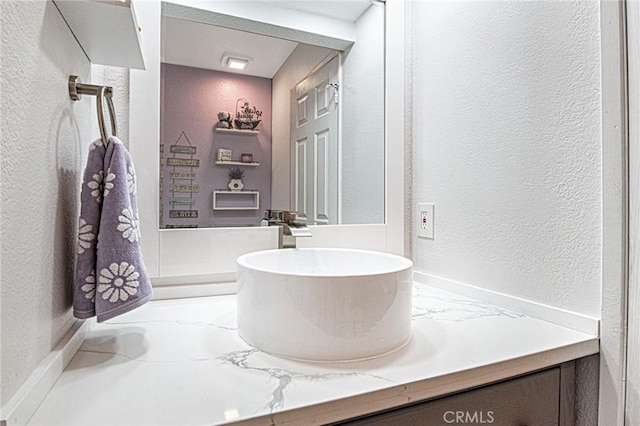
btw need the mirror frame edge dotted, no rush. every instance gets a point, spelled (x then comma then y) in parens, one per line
(394, 105)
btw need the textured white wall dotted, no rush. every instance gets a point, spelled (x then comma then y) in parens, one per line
(300, 63)
(506, 143)
(45, 138)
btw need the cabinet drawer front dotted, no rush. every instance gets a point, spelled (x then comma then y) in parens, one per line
(530, 400)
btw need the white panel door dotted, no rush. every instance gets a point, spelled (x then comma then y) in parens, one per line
(315, 145)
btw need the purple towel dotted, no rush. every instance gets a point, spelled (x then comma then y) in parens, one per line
(111, 278)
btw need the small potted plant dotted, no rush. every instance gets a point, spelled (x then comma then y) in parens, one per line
(235, 179)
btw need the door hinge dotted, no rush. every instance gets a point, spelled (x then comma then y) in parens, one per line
(336, 92)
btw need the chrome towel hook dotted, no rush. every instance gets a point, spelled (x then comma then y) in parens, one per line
(77, 89)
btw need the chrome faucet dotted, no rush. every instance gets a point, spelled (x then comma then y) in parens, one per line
(290, 226)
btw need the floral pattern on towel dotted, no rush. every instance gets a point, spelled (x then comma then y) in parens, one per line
(90, 286)
(96, 186)
(118, 282)
(109, 182)
(85, 236)
(129, 226)
(131, 181)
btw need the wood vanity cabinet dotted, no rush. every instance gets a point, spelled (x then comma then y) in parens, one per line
(538, 399)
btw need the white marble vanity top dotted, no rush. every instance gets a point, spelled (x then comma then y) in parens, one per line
(181, 362)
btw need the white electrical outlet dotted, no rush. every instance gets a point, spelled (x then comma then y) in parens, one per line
(425, 220)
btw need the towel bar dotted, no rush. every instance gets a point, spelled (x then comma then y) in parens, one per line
(77, 89)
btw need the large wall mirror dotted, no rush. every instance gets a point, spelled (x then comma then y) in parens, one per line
(256, 117)
(369, 183)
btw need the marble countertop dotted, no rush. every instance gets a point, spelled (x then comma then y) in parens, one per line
(182, 362)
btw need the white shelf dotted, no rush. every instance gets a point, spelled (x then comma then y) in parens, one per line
(236, 200)
(106, 30)
(237, 163)
(237, 131)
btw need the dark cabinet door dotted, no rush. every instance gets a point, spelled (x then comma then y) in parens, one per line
(532, 400)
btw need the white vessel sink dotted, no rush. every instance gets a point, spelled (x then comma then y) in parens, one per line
(324, 304)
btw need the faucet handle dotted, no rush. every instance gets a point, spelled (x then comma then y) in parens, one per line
(297, 218)
(274, 215)
(285, 216)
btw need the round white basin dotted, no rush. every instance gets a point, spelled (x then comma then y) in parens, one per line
(324, 304)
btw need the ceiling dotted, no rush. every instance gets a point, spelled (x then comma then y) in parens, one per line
(199, 45)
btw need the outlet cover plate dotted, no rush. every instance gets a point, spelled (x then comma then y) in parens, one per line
(425, 220)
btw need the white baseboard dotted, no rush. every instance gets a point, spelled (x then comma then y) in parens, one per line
(548, 313)
(178, 280)
(193, 290)
(26, 400)
(185, 286)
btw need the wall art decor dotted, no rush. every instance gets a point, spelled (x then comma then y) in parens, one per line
(182, 155)
(247, 117)
(182, 175)
(224, 154)
(184, 201)
(183, 214)
(180, 162)
(224, 120)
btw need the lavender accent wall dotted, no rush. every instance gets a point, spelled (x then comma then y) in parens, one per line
(190, 101)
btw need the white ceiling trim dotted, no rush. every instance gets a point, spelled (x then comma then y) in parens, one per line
(344, 10)
(263, 18)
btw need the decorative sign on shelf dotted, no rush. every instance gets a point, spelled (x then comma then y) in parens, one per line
(182, 201)
(182, 175)
(183, 149)
(181, 162)
(184, 188)
(183, 214)
(224, 154)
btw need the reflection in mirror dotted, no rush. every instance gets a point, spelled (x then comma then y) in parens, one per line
(250, 122)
